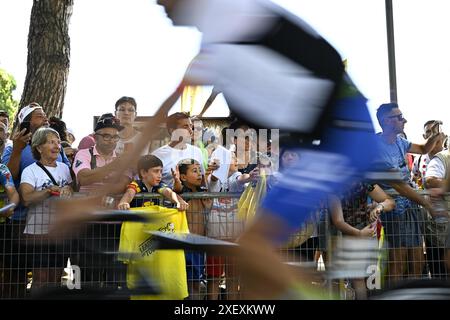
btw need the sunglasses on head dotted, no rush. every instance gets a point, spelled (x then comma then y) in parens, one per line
(109, 120)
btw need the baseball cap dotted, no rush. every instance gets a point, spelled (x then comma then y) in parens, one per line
(25, 111)
(108, 120)
(70, 130)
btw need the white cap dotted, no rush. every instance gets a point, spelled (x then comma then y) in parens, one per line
(25, 111)
(69, 130)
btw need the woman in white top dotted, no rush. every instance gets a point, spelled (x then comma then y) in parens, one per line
(41, 181)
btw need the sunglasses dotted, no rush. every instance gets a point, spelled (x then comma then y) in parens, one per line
(110, 121)
(399, 117)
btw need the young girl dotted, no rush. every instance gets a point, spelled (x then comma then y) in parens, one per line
(353, 216)
(189, 179)
(223, 223)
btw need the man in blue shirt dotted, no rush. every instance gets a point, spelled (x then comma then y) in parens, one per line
(401, 225)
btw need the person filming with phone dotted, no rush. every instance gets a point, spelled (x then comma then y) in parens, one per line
(17, 157)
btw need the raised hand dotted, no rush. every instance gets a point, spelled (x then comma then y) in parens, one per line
(20, 139)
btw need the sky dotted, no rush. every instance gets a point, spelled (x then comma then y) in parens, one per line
(130, 48)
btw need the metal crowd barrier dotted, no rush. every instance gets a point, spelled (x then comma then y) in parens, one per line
(29, 263)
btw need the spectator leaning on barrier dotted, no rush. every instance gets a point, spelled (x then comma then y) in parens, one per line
(96, 165)
(435, 175)
(190, 176)
(17, 157)
(40, 181)
(434, 233)
(401, 225)
(150, 172)
(223, 223)
(351, 214)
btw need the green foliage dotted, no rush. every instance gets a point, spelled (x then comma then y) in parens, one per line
(7, 86)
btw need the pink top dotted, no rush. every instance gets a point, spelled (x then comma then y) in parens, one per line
(83, 161)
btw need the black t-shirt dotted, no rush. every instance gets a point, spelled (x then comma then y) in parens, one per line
(140, 187)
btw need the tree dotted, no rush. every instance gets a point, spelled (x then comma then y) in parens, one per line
(48, 55)
(7, 86)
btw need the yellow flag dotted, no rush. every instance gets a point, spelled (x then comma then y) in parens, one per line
(244, 202)
(191, 99)
(165, 267)
(251, 198)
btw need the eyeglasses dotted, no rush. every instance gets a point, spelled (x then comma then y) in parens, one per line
(108, 137)
(398, 116)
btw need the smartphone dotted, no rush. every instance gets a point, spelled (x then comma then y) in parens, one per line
(25, 125)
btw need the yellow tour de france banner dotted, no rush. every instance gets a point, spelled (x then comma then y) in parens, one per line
(167, 268)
